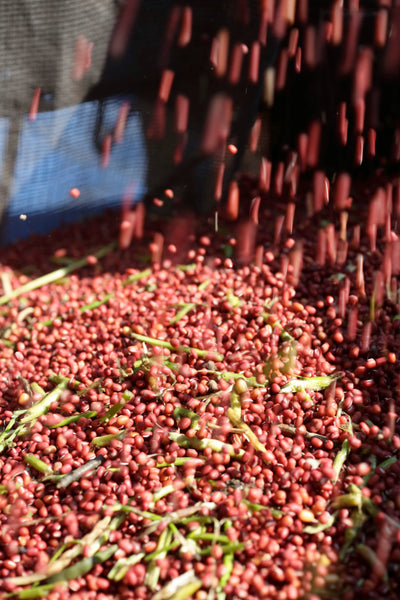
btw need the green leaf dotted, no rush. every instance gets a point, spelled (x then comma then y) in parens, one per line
(84, 566)
(340, 459)
(180, 412)
(111, 412)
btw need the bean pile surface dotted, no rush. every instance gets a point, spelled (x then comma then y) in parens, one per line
(217, 422)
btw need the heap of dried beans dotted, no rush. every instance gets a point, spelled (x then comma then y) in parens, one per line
(197, 427)
(213, 413)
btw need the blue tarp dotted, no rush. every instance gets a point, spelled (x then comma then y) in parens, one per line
(57, 152)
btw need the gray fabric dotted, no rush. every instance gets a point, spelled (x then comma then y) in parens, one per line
(37, 47)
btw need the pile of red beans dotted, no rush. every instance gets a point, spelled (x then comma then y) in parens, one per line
(314, 516)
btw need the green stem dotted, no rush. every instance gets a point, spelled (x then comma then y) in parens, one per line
(96, 303)
(230, 548)
(178, 462)
(35, 462)
(104, 440)
(194, 442)
(93, 541)
(84, 566)
(228, 375)
(153, 570)
(186, 308)
(42, 406)
(54, 275)
(228, 563)
(164, 491)
(121, 567)
(164, 344)
(85, 415)
(156, 554)
(137, 277)
(40, 591)
(312, 529)
(184, 268)
(209, 537)
(180, 412)
(313, 384)
(275, 512)
(54, 378)
(57, 379)
(37, 389)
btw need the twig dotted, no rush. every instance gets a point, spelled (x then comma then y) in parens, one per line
(54, 275)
